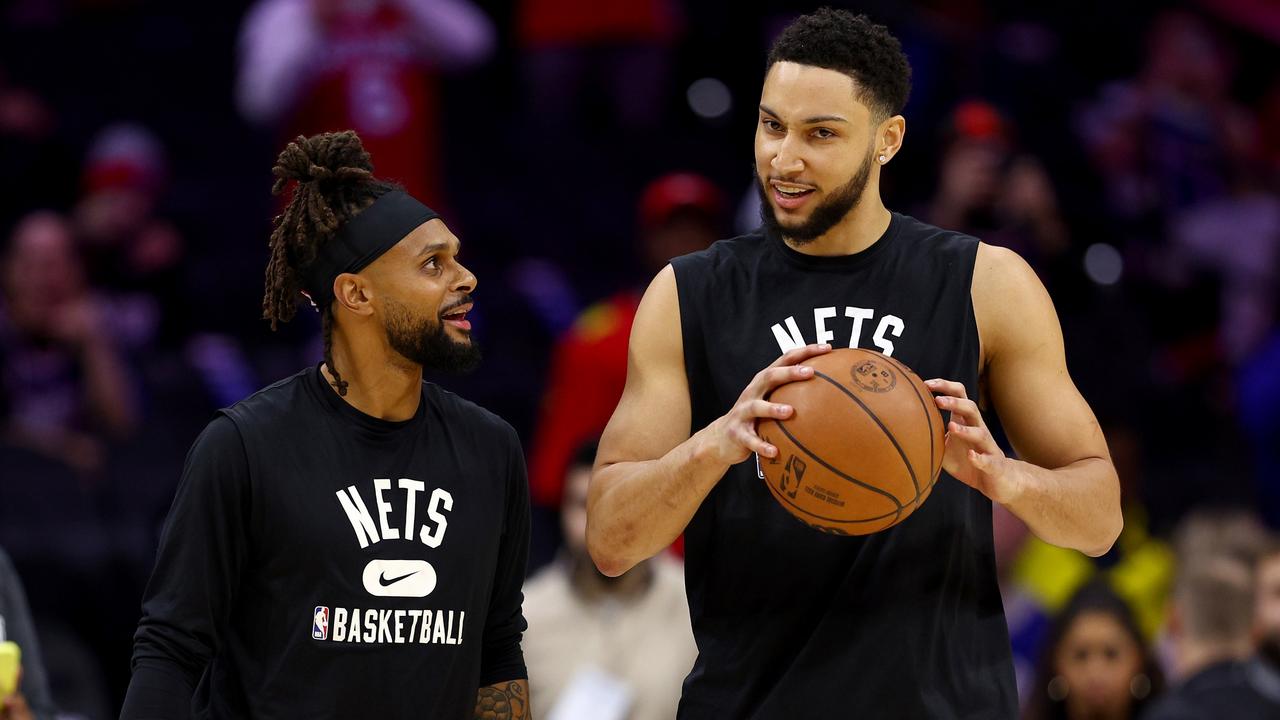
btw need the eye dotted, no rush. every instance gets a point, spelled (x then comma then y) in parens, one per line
(432, 264)
(823, 134)
(771, 124)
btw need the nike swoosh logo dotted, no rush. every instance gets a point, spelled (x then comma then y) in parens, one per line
(384, 582)
(399, 578)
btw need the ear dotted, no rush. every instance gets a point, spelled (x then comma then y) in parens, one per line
(889, 136)
(353, 292)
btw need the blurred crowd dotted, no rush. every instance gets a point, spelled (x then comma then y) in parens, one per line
(575, 146)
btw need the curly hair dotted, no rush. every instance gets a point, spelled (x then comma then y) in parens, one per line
(854, 45)
(331, 180)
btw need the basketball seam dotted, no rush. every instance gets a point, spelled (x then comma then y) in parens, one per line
(840, 474)
(910, 470)
(933, 477)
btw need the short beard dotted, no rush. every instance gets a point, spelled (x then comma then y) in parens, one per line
(824, 217)
(428, 344)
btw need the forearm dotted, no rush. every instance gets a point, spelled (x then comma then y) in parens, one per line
(1075, 506)
(507, 700)
(642, 507)
(158, 691)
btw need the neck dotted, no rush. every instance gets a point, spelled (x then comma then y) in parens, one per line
(380, 382)
(1192, 657)
(860, 228)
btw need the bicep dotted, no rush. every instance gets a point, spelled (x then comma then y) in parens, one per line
(1044, 416)
(654, 413)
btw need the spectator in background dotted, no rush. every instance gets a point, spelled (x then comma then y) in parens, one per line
(32, 700)
(599, 647)
(64, 388)
(989, 190)
(620, 49)
(310, 66)
(129, 250)
(679, 213)
(1231, 532)
(1210, 630)
(1096, 663)
(36, 167)
(1160, 139)
(1264, 668)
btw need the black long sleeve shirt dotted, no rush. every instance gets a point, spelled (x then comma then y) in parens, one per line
(321, 563)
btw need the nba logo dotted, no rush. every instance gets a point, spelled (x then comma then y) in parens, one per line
(320, 624)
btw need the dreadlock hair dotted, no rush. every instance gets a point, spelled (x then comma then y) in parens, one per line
(330, 177)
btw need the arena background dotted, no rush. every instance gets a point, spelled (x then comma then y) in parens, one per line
(1130, 151)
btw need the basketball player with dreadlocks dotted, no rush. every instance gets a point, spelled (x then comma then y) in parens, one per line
(349, 542)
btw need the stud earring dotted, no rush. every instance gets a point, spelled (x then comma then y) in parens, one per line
(883, 159)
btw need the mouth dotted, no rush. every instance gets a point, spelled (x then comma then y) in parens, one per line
(457, 317)
(790, 196)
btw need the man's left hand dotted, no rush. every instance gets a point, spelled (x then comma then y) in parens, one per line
(972, 455)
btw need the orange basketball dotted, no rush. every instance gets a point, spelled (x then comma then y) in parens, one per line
(862, 449)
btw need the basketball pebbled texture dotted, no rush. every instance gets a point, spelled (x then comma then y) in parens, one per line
(863, 448)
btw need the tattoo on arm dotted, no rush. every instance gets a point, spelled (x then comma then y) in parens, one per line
(504, 701)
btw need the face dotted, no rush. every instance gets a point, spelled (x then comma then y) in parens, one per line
(1099, 660)
(814, 146)
(42, 271)
(1267, 606)
(422, 294)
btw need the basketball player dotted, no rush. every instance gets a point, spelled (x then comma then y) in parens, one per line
(388, 512)
(789, 622)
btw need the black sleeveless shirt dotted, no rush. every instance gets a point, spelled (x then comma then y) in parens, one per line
(793, 623)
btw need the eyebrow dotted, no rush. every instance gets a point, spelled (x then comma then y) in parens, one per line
(809, 121)
(434, 247)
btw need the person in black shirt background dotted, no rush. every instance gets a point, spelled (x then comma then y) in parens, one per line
(902, 623)
(350, 541)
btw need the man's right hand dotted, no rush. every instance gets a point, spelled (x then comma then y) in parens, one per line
(733, 436)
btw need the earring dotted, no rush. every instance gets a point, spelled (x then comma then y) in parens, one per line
(883, 159)
(1058, 688)
(1140, 686)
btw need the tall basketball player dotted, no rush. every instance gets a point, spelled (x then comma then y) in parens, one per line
(349, 542)
(905, 623)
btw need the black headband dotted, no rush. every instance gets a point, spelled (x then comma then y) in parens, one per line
(363, 239)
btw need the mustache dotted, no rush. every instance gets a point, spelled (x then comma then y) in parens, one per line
(779, 178)
(464, 300)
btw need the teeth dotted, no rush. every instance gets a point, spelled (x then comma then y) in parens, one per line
(791, 191)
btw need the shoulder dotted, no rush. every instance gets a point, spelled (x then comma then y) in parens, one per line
(458, 411)
(721, 253)
(935, 238)
(1001, 270)
(1004, 283)
(272, 404)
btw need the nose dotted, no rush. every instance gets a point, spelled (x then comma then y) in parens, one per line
(786, 160)
(466, 281)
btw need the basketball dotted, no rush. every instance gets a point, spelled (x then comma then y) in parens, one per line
(862, 449)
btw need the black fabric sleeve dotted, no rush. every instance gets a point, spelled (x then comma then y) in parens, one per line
(19, 629)
(501, 657)
(189, 596)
